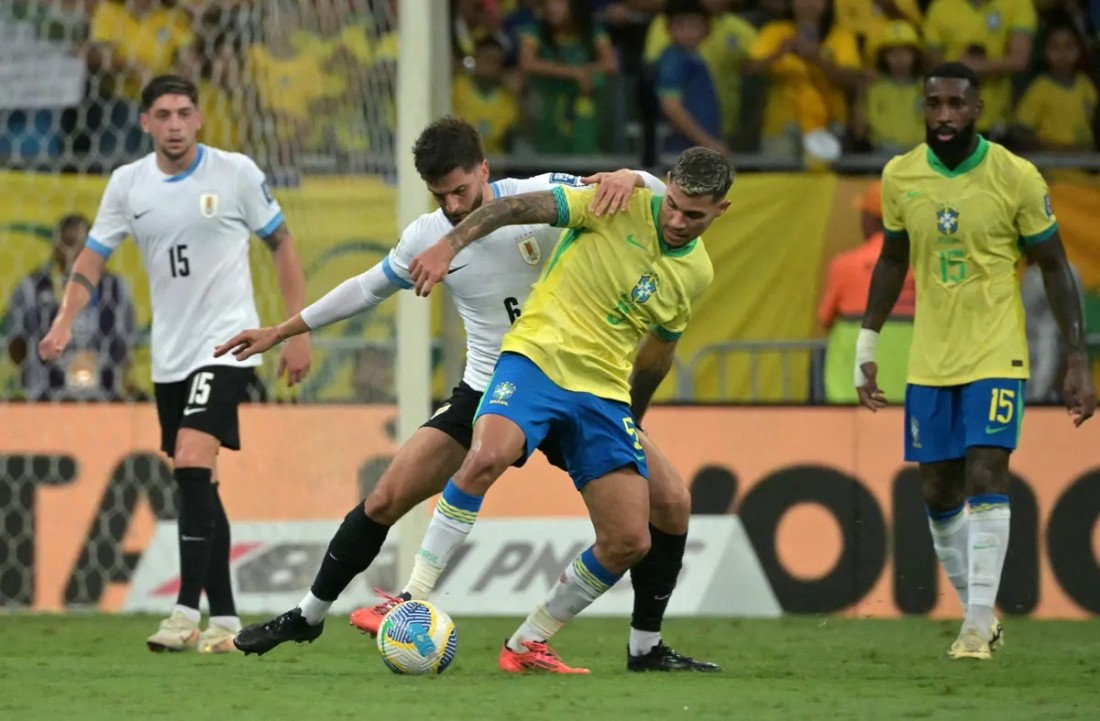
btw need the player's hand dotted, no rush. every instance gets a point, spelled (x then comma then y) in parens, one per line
(295, 359)
(431, 266)
(53, 345)
(613, 193)
(1079, 391)
(870, 395)
(248, 343)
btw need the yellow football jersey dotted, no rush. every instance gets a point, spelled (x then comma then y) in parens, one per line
(966, 230)
(608, 282)
(494, 113)
(894, 114)
(1059, 113)
(151, 40)
(953, 26)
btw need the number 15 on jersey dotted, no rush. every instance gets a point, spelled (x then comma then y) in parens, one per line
(177, 258)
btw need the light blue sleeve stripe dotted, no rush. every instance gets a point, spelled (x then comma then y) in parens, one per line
(563, 207)
(1039, 237)
(496, 189)
(271, 226)
(392, 275)
(98, 248)
(666, 335)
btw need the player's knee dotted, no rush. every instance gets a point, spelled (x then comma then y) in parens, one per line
(986, 471)
(984, 478)
(190, 455)
(387, 503)
(195, 450)
(481, 468)
(670, 508)
(626, 548)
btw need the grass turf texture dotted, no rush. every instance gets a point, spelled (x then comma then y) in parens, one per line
(97, 667)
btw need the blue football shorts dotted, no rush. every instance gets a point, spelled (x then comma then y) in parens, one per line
(942, 422)
(596, 435)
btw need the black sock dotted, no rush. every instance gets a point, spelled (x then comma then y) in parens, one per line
(196, 531)
(355, 545)
(218, 584)
(654, 579)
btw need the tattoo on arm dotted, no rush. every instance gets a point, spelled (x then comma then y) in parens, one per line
(81, 279)
(277, 237)
(540, 207)
(1062, 292)
(886, 282)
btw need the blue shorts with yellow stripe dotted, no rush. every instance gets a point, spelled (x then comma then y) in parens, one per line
(595, 435)
(941, 422)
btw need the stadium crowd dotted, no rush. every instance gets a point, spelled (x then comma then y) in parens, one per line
(780, 77)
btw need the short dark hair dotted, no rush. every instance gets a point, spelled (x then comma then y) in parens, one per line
(72, 220)
(956, 71)
(678, 8)
(168, 85)
(701, 171)
(446, 144)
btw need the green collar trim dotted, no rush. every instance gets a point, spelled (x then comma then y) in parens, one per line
(965, 166)
(666, 249)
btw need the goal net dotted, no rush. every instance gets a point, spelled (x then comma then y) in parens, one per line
(307, 89)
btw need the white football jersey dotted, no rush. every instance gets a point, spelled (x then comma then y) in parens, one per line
(193, 231)
(491, 278)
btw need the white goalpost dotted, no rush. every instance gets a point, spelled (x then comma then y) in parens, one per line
(423, 94)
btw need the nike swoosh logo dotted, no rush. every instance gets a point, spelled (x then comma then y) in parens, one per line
(991, 431)
(144, 212)
(192, 538)
(662, 598)
(452, 270)
(192, 411)
(913, 193)
(636, 244)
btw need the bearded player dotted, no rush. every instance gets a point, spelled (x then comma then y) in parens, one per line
(489, 284)
(565, 372)
(961, 210)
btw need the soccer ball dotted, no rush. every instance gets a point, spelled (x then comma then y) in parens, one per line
(416, 638)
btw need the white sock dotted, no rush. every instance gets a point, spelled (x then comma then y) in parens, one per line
(583, 582)
(950, 538)
(191, 614)
(539, 626)
(988, 540)
(229, 623)
(452, 521)
(642, 642)
(314, 609)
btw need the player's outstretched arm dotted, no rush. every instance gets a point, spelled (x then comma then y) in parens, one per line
(351, 297)
(1065, 300)
(652, 363)
(887, 281)
(431, 266)
(296, 356)
(87, 270)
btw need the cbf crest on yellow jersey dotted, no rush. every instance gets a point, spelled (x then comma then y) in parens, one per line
(967, 228)
(609, 280)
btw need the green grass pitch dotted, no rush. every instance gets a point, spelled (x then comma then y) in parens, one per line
(97, 667)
